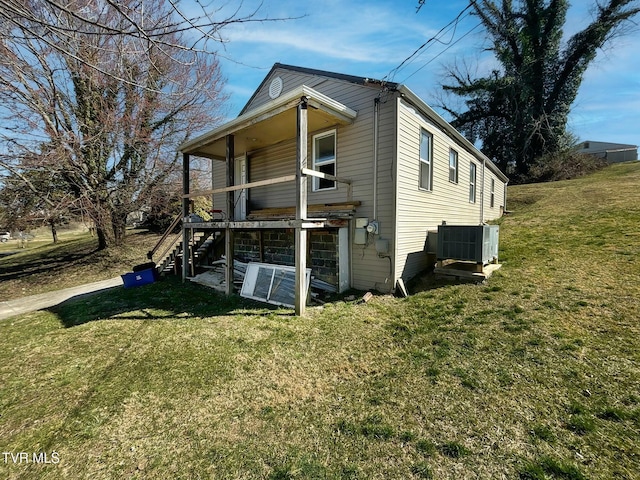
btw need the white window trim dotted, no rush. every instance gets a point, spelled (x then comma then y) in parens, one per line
(473, 181)
(316, 180)
(492, 203)
(455, 168)
(428, 162)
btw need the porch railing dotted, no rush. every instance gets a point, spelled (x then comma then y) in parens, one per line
(274, 181)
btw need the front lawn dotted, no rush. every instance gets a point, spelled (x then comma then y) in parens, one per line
(534, 375)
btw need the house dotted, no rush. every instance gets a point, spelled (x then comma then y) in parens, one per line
(611, 152)
(354, 172)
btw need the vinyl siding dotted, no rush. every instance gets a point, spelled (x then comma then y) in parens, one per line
(492, 213)
(419, 211)
(354, 160)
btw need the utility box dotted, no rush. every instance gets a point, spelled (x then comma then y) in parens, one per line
(468, 243)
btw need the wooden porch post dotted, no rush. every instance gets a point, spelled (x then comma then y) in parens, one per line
(301, 208)
(186, 232)
(228, 239)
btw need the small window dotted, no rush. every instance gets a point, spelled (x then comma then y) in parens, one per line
(453, 166)
(472, 182)
(493, 192)
(426, 160)
(324, 159)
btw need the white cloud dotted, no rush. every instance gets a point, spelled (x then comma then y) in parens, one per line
(371, 37)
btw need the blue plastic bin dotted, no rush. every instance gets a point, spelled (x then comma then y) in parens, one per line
(136, 279)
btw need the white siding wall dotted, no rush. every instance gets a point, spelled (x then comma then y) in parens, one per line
(419, 211)
(405, 213)
(492, 213)
(354, 153)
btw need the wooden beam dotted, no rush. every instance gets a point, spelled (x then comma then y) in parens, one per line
(259, 183)
(228, 239)
(257, 224)
(228, 251)
(186, 234)
(261, 245)
(302, 131)
(325, 176)
(230, 175)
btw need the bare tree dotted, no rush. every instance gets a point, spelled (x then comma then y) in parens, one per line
(202, 21)
(34, 198)
(103, 111)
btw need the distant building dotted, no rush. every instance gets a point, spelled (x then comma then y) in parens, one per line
(611, 152)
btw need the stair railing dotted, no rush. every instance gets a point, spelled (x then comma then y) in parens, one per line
(167, 233)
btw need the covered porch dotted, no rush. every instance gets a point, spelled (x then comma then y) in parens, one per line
(290, 117)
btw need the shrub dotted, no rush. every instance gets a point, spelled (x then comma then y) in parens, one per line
(564, 166)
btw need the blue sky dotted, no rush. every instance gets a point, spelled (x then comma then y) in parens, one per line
(371, 38)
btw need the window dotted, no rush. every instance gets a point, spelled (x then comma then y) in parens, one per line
(453, 166)
(472, 182)
(426, 160)
(272, 283)
(493, 192)
(324, 159)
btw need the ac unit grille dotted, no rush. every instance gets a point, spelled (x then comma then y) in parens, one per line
(470, 243)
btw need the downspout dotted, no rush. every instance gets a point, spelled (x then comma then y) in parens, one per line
(504, 201)
(376, 115)
(484, 161)
(186, 233)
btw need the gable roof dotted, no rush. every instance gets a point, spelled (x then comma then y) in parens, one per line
(322, 73)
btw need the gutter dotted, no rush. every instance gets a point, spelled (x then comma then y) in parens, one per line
(484, 162)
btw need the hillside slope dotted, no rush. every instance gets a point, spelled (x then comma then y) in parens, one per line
(534, 375)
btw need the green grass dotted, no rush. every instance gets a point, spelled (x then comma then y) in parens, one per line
(535, 375)
(43, 266)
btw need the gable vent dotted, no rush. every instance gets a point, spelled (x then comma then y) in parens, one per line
(275, 89)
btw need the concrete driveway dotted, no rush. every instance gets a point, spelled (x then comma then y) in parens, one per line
(18, 306)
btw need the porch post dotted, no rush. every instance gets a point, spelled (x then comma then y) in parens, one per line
(228, 234)
(186, 254)
(301, 208)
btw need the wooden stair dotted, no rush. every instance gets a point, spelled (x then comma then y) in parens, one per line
(202, 243)
(171, 249)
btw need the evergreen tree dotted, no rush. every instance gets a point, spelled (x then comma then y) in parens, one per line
(520, 110)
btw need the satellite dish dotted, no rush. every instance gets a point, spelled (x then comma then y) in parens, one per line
(275, 89)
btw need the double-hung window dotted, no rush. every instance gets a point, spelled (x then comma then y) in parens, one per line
(426, 160)
(472, 182)
(493, 192)
(324, 159)
(453, 166)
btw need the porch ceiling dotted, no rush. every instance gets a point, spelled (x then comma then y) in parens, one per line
(270, 124)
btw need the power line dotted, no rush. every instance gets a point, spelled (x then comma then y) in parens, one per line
(454, 27)
(454, 22)
(443, 51)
